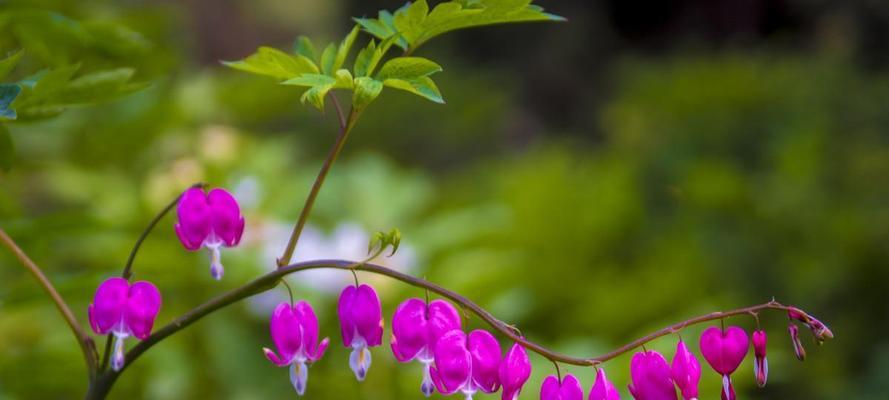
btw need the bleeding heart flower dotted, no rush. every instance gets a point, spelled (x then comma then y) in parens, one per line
(467, 363)
(209, 220)
(295, 333)
(761, 364)
(568, 389)
(724, 351)
(819, 330)
(514, 372)
(124, 310)
(416, 329)
(361, 321)
(651, 377)
(602, 388)
(686, 372)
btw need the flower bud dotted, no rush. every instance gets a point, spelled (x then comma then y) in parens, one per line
(760, 364)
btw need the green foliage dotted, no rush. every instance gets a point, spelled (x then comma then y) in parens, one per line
(417, 24)
(380, 240)
(275, 63)
(53, 49)
(409, 27)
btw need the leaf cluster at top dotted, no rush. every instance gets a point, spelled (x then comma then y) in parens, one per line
(407, 28)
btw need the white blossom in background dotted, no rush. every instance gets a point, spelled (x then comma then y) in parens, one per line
(348, 241)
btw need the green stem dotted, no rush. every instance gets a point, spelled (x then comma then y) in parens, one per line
(87, 346)
(346, 124)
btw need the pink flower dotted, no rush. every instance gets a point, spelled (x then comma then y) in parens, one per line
(124, 310)
(686, 372)
(568, 389)
(819, 330)
(295, 333)
(416, 329)
(467, 363)
(602, 388)
(651, 377)
(761, 364)
(209, 220)
(724, 351)
(361, 321)
(514, 372)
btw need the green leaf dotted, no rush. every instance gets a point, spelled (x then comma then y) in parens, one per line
(382, 27)
(363, 59)
(7, 149)
(319, 85)
(9, 63)
(344, 48)
(449, 16)
(328, 58)
(275, 63)
(366, 90)
(305, 48)
(422, 86)
(99, 86)
(407, 68)
(8, 94)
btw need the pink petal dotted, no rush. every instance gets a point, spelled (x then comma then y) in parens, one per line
(319, 350)
(724, 350)
(409, 329)
(227, 222)
(602, 388)
(485, 351)
(308, 322)
(286, 332)
(367, 312)
(344, 311)
(686, 371)
(453, 362)
(651, 378)
(194, 218)
(443, 317)
(142, 307)
(274, 358)
(568, 389)
(108, 306)
(514, 372)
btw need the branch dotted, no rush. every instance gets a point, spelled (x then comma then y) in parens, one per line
(346, 124)
(87, 346)
(127, 269)
(268, 281)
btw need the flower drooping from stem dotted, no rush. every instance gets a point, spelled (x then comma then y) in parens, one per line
(416, 329)
(294, 330)
(467, 363)
(567, 389)
(686, 371)
(724, 350)
(211, 220)
(124, 310)
(361, 322)
(651, 377)
(760, 363)
(514, 372)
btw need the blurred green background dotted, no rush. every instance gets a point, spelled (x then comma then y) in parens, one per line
(590, 182)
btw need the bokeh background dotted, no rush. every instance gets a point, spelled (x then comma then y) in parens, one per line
(590, 181)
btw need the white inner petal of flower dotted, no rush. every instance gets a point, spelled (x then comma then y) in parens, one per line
(299, 376)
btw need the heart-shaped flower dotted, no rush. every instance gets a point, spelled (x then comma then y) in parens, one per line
(294, 330)
(124, 310)
(361, 322)
(724, 350)
(568, 389)
(416, 329)
(761, 363)
(514, 372)
(467, 363)
(651, 377)
(210, 220)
